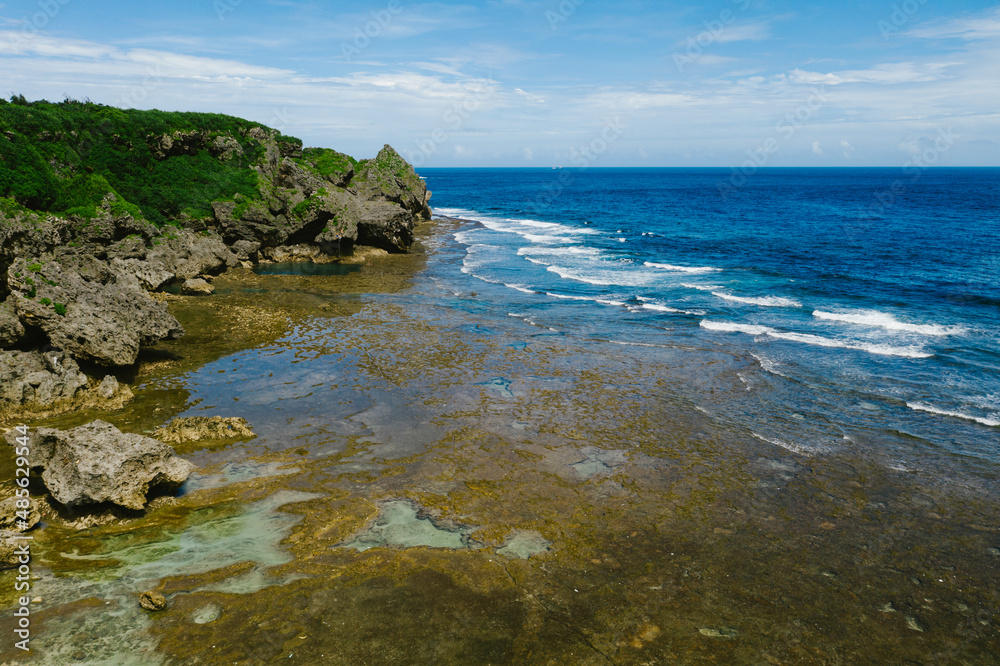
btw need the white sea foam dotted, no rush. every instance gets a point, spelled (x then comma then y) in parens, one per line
(465, 237)
(816, 340)
(521, 288)
(455, 212)
(701, 287)
(586, 252)
(637, 344)
(548, 239)
(766, 301)
(918, 406)
(591, 299)
(887, 321)
(790, 446)
(768, 365)
(604, 277)
(568, 297)
(661, 308)
(727, 327)
(692, 270)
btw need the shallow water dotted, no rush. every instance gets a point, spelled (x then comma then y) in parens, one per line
(618, 507)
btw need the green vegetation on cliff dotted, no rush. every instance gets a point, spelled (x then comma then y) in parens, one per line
(66, 157)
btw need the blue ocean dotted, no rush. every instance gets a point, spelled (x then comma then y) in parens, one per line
(862, 304)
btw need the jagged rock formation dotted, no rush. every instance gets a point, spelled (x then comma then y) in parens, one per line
(97, 463)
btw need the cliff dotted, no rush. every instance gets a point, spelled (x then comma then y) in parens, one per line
(100, 206)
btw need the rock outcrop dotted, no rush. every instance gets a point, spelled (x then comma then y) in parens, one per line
(194, 428)
(97, 463)
(85, 307)
(196, 287)
(34, 378)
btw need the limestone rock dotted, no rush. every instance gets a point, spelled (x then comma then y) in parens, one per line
(89, 309)
(38, 379)
(387, 226)
(149, 277)
(196, 287)
(97, 463)
(195, 428)
(246, 250)
(108, 387)
(11, 330)
(186, 254)
(388, 177)
(152, 601)
(225, 148)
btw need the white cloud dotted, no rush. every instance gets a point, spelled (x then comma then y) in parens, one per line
(528, 154)
(712, 59)
(886, 74)
(817, 150)
(76, 53)
(744, 33)
(533, 99)
(986, 26)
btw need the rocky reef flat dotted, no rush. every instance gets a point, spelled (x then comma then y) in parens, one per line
(394, 505)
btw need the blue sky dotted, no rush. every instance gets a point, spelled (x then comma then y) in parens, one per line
(544, 82)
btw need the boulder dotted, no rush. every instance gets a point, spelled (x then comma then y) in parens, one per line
(33, 378)
(186, 254)
(152, 601)
(196, 287)
(97, 463)
(89, 309)
(246, 250)
(195, 428)
(386, 226)
(108, 387)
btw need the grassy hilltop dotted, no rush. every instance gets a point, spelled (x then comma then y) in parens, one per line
(166, 167)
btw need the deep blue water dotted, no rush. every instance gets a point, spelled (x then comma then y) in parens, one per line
(870, 297)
